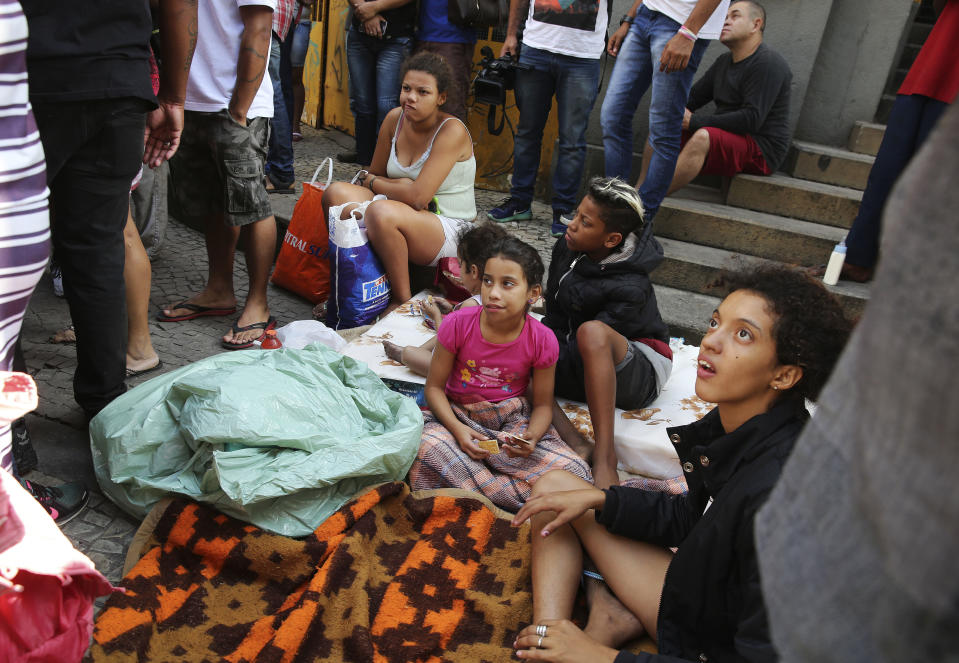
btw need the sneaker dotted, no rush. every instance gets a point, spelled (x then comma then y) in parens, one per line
(560, 221)
(510, 210)
(24, 455)
(57, 276)
(63, 503)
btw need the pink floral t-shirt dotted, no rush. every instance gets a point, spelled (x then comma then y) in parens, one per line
(484, 371)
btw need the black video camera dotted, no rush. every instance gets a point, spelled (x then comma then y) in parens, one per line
(496, 76)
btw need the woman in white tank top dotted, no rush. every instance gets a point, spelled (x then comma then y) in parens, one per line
(424, 165)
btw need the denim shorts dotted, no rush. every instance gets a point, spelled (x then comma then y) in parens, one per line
(219, 168)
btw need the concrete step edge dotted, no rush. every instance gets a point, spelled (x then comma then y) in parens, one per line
(756, 218)
(786, 181)
(833, 152)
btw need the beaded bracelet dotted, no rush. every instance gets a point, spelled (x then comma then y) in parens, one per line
(686, 32)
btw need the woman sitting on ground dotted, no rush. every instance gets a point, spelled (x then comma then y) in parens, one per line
(770, 345)
(424, 165)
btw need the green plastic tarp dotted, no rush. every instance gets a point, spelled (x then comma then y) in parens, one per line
(279, 438)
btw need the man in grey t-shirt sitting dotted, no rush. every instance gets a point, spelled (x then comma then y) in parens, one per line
(749, 130)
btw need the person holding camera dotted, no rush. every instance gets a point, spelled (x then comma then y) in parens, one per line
(562, 48)
(379, 38)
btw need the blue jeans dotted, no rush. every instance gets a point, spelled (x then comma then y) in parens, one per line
(279, 160)
(575, 83)
(636, 69)
(912, 117)
(374, 84)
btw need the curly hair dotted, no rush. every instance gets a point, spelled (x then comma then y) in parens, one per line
(810, 328)
(474, 244)
(433, 64)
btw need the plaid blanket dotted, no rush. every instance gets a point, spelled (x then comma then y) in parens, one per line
(506, 481)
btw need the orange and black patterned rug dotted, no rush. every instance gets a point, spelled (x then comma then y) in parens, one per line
(391, 576)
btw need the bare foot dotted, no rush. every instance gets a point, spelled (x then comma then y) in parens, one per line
(139, 365)
(64, 336)
(605, 475)
(610, 622)
(393, 351)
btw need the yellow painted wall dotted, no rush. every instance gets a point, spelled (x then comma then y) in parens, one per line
(313, 76)
(494, 154)
(336, 91)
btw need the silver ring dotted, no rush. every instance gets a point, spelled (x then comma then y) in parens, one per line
(539, 644)
(541, 630)
(166, 144)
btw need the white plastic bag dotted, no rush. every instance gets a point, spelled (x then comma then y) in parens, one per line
(300, 333)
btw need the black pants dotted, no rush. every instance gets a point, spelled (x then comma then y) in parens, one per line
(93, 151)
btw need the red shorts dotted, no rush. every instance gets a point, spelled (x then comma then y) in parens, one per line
(731, 153)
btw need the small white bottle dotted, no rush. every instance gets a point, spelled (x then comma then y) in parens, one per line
(834, 267)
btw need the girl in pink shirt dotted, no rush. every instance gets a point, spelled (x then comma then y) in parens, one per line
(491, 378)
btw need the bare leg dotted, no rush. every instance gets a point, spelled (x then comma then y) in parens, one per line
(261, 240)
(601, 348)
(137, 275)
(220, 249)
(399, 234)
(569, 434)
(634, 571)
(610, 622)
(690, 161)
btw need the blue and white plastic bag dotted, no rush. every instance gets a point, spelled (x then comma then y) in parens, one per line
(359, 290)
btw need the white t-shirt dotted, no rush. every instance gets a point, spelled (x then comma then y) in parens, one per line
(577, 29)
(679, 11)
(213, 72)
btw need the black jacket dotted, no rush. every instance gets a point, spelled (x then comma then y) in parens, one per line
(712, 606)
(618, 293)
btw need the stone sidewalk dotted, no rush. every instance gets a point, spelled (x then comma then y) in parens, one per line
(58, 427)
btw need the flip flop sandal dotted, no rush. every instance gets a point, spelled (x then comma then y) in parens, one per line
(197, 311)
(296, 136)
(132, 373)
(265, 326)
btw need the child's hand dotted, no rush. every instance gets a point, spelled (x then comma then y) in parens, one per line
(432, 308)
(466, 437)
(518, 446)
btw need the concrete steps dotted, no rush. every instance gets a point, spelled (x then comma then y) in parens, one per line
(828, 165)
(685, 312)
(693, 267)
(866, 137)
(745, 231)
(799, 199)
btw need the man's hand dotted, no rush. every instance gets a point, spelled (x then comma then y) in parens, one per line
(239, 117)
(687, 116)
(616, 41)
(510, 46)
(366, 10)
(675, 56)
(161, 137)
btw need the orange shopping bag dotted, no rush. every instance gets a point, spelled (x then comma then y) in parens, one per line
(303, 265)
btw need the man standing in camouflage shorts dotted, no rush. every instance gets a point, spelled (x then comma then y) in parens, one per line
(218, 172)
